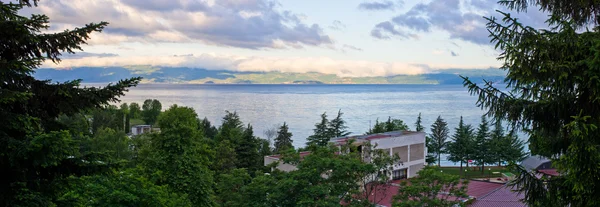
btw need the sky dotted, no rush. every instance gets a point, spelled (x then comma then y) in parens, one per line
(351, 38)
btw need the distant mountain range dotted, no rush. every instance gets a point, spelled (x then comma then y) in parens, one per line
(157, 74)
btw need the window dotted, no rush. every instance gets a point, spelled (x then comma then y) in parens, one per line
(399, 174)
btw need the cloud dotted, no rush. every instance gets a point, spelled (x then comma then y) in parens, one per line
(252, 24)
(344, 68)
(337, 25)
(461, 19)
(345, 46)
(383, 5)
(385, 30)
(454, 54)
(79, 55)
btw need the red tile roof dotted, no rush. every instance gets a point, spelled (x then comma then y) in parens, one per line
(302, 155)
(385, 193)
(502, 197)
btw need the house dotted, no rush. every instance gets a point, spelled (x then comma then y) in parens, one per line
(140, 129)
(410, 146)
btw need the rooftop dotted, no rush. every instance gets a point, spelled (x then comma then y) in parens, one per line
(476, 189)
(531, 163)
(501, 197)
(373, 136)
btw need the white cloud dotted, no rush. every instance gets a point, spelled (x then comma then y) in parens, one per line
(253, 24)
(344, 68)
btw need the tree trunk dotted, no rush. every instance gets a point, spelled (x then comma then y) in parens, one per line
(460, 168)
(439, 159)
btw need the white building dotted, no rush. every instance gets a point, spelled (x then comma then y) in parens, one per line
(410, 147)
(140, 129)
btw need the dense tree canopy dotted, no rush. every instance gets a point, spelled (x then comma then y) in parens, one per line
(462, 146)
(553, 94)
(37, 151)
(151, 110)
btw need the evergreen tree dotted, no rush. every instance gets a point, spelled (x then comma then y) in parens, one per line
(247, 151)
(481, 152)
(321, 133)
(418, 124)
(231, 129)
(462, 144)
(151, 110)
(439, 135)
(37, 153)
(209, 130)
(552, 93)
(337, 126)
(283, 141)
(514, 148)
(388, 126)
(497, 144)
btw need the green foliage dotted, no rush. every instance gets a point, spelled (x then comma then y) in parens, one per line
(135, 112)
(322, 133)
(248, 156)
(125, 188)
(230, 186)
(431, 188)
(225, 157)
(388, 126)
(209, 130)
(106, 117)
(496, 143)
(151, 110)
(461, 147)
(37, 152)
(337, 126)
(179, 156)
(283, 141)
(126, 114)
(553, 94)
(324, 178)
(482, 146)
(439, 135)
(114, 144)
(418, 124)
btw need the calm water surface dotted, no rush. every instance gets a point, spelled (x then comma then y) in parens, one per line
(300, 106)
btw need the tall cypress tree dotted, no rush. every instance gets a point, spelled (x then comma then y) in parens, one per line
(321, 133)
(496, 143)
(418, 124)
(460, 147)
(37, 155)
(439, 135)
(283, 141)
(247, 151)
(337, 126)
(482, 146)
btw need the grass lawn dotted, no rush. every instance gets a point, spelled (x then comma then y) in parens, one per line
(134, 122)
(475, 173)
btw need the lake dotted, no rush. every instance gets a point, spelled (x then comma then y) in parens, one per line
(300, 106)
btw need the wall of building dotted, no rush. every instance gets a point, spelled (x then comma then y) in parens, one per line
(411, 149)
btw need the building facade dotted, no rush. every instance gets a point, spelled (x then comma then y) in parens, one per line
(408, 145)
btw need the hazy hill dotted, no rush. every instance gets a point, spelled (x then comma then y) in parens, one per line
(153, 74)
